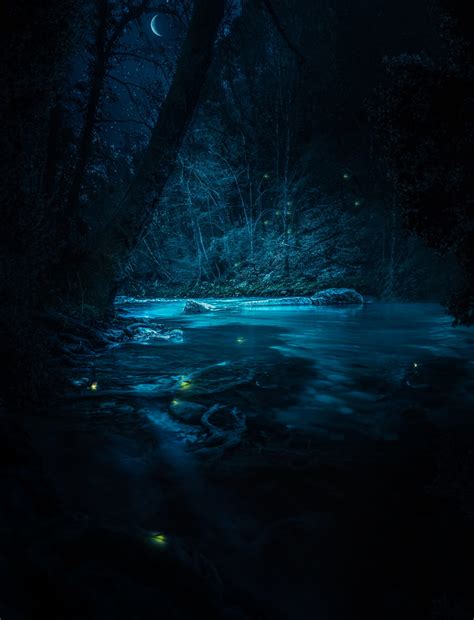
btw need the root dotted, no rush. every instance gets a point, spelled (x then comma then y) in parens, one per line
(220, 440)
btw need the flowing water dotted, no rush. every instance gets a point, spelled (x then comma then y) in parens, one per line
(325, 369)
(324, 418)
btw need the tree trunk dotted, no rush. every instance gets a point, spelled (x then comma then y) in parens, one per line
(112, 248)
(95, 92)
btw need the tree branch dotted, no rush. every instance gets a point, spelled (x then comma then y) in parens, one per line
(278, 25)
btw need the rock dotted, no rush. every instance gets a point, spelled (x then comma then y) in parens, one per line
(225, 426)
(115, 335)
(188, 412)
(146, 334)
(132, 327)
(197, 307)
(337, 296)
(175, 335)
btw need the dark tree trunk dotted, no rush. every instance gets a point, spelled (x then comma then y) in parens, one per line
(38, 39)
(113, 247)
(54, 152)
(95, 91)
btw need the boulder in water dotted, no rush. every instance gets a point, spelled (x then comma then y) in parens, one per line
(187, 412)
(197, 307)
(337, 296)
(147, 334)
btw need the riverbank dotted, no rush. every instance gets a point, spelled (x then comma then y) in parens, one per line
(222, 290)
(261, 288)
(245, 284)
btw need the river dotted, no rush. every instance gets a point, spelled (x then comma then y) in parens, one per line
(295, 448)
(329, 370)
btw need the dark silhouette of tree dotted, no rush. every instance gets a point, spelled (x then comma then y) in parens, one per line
(107, 260)
(38, 262)
(426, 127)
(109, 30)
(38, 40)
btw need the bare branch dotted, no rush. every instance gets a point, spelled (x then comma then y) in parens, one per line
(278, 25)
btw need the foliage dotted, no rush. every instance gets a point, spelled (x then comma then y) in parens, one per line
(269, 195)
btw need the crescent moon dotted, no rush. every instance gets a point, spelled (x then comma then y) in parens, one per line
(154, 28)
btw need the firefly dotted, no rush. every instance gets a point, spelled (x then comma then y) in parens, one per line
(158, 539)
(266, 176)
(240, 340)
(415, 365)
(185, 384)
(94, 386)
(357, 203)
(345, 176)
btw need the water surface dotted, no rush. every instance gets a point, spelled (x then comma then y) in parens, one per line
(325, 369)
(338, 482)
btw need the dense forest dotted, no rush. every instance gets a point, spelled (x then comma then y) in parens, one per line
(280, 187)
(239, 149)
(289, 179)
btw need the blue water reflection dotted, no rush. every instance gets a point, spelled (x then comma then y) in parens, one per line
(325, 369)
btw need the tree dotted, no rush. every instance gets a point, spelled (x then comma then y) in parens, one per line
(258, 201)
(426, 130)
(111, 248)
(111, 23)
(38, 40)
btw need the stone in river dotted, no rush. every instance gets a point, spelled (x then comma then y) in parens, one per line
(145, 334)
(337, 296)
(197, 307)
(188, 412)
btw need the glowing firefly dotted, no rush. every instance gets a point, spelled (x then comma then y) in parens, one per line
(94, 386)
(185, 384)
(158, 539)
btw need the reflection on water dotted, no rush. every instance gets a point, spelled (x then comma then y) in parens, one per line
(328, 370)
